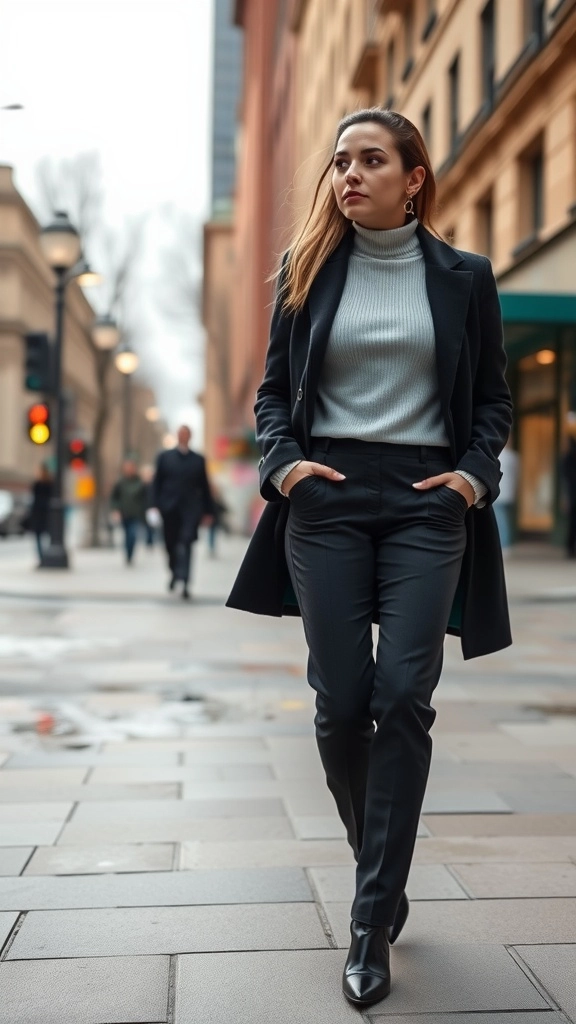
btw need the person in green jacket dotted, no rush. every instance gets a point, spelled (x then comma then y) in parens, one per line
(128, 502)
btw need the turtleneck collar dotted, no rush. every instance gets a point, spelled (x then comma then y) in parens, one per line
(388, 244)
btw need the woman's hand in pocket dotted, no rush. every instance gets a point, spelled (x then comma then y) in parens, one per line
(451, 480)
(304, 469)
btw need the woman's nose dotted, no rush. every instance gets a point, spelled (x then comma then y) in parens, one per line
(352, 175)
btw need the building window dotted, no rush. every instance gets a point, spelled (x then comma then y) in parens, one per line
(530, 196)
(537, 190)
(454, 99)
(535, 19)
(408, 42)
(485, 225)
(488, 53)
(390, 75)
(431, 18)
(427, 125)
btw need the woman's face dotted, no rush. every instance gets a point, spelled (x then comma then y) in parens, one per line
(369, 182)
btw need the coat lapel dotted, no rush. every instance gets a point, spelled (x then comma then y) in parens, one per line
(323, 301)
(448, 292)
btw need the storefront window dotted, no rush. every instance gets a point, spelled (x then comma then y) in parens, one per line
(536, 411)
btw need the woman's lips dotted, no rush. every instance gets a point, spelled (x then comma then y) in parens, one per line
(354, 197)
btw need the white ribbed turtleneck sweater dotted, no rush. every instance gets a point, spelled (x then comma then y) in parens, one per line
(379, 380)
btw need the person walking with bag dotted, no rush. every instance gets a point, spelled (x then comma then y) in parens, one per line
(380, 418)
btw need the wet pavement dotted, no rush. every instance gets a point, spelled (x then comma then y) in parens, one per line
(169, 852)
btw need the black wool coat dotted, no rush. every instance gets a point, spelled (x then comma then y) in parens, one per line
(476, 409)
(181, 484)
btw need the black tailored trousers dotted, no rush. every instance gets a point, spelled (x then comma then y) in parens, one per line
(373, 541)
(179, 535)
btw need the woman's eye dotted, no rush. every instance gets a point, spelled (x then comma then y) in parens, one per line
(339, 163)
(373, 159)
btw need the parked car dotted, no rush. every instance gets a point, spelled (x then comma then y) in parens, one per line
(14, 510)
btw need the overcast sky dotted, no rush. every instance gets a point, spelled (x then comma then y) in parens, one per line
(129, 79)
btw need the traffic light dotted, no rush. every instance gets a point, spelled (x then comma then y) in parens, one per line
(37, 362)
(39, 430)
(77, 453)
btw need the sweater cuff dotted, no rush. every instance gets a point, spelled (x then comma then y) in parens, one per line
(279, 475)
(480, 489)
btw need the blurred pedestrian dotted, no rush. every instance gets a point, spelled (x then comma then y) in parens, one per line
(128, 505)
(181, 493)
(506, 500)
(570, 481)
(38, 518)
(150, 530)
(381, 416)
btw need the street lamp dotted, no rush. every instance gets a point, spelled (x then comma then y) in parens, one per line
(152, 414)
(127, 363)
(105, 333)
(61, 246)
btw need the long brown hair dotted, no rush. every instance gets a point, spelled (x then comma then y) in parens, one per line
(326, 225)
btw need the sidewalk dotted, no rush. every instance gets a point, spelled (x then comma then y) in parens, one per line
(172, 856)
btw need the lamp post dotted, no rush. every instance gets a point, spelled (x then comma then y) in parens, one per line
(61, 246)
(127, 363)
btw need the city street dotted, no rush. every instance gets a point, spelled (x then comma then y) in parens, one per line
(169, 851)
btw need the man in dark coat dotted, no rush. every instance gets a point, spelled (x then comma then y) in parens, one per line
(182, 495)
(39, 516)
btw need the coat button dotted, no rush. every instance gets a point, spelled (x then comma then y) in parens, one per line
(300, 394)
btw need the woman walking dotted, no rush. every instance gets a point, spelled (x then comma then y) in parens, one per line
(381, 417)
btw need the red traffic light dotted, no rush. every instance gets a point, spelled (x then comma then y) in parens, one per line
(77, 453)
(39, 423)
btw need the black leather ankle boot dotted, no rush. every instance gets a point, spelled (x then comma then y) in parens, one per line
(366, 978)
(400, 920)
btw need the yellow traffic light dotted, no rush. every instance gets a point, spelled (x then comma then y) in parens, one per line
(39, 423)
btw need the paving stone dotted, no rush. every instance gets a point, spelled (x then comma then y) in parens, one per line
(555, 968)
(80, 860)
(125, 811)
(149, 771)
(11, 814)
(494, 849)
(466, 801)
(13, 859)
(41, 779)
(426, 882)
(215, 829)
(319, 827)
(125, 990)
(7, 922)
(552, 732)
(27, 834)
(265, 853)
(259, 988)
(509, 921)
(148, 930)
(502, 825)
(180, 888)
(444, 977)
(69, 758)
(506, 881)
(247, 790)
(539, 802)
(147, 791)
(530, 1017)
(197, 747)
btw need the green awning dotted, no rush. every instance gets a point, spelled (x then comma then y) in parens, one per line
(533, 308)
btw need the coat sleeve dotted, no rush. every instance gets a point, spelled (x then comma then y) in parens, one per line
(273, 404)
(492, 404)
